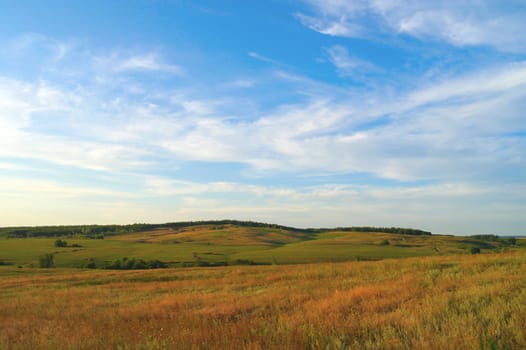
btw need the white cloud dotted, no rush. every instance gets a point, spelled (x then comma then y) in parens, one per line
(336, 27)
(24, 44)
(19, 187)
(347, 65)
(121, 62)
(72, 152)
(474, 85)
(11, 166)
(147, 63)
(449, 129)
(494, 23)
(437, 132)
(29, 108)
(169, 187)
(263, 58)
(193, 106)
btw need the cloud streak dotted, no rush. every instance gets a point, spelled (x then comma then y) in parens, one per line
(481, 23)
(150, 62)
(349, 66)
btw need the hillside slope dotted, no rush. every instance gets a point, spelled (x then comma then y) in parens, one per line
(228, 242)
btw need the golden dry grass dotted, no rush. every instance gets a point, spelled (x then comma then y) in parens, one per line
(452, 302)
(218, 234)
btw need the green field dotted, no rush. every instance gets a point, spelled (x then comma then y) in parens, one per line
(231, 244)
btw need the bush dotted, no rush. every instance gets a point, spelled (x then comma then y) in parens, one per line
(90, 264)
(244, 262)
(61, 243)
(135, 264)
(139, 265)
(475, 250)
(156, 264)
(46, 261)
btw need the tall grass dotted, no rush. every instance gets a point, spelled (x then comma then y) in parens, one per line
(452, 302)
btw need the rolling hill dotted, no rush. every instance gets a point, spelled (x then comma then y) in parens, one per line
(229, 242)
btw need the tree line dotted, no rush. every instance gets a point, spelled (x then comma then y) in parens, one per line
(100, 231)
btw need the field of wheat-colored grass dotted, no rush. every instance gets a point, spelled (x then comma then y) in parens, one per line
(444, 302)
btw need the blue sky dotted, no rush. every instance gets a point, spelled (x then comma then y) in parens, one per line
(306, 113)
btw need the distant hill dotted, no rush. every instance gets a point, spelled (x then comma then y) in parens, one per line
(225, 242)
(95, 231)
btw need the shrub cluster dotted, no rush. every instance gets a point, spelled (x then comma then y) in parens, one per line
(90, 264)
(399, 230)
(494, 238)
(61, 243)
(135, 264)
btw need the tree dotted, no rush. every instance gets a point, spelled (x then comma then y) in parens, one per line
(91, 264)
(46, 261)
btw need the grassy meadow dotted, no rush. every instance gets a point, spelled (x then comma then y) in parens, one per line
(204, 245)
(438, 302)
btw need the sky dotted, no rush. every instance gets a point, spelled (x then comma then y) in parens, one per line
(309, 113)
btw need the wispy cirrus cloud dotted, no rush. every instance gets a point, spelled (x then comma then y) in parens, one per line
(262, 58)
(349, 66)
(149, 62)
(481, 23)
(454, 127)
(29, 42)
(336, 27)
